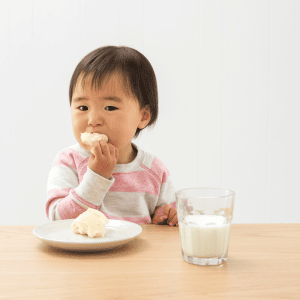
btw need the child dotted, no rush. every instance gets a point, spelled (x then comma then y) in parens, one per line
(113, 91)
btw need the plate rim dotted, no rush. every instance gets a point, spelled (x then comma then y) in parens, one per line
(93, 240)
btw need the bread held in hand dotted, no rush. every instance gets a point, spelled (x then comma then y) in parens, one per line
(89, 138)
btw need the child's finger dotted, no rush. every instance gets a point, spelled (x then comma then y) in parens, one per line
(116, 153)
(104, 148)
(96, 150)
(174, 219)
(93, 152)
(111, 150)
(158, 215)
(166, 210)
(156, 219)
(159, 211)
(172, 214)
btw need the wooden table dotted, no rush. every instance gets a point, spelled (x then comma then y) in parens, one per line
(263, 263)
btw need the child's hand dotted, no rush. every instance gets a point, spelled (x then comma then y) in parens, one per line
(103, 158)
(161, 212)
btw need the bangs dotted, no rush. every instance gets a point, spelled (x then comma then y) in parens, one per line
(99, 79)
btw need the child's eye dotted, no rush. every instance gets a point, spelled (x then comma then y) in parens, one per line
(110, 108)
(82, 108)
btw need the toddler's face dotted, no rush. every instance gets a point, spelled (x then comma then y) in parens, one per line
(107, 111)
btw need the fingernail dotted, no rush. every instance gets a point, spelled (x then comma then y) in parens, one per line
(165, 217)
(171, 224)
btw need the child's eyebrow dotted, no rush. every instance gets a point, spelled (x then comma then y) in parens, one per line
(113, 98)
(77, 99)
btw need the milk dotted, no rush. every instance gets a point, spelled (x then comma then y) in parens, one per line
(204, 235)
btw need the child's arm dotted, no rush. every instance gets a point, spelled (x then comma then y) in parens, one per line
(166, 204)
(67, 199)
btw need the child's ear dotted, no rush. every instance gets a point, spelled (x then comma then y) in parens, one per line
(145, 117)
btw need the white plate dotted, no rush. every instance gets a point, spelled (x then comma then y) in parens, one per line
(60, 235)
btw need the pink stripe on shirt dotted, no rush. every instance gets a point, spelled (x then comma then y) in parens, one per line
(74, 194)
(160, 170)
(66, 158)
(55, 195)
(144, 220)
(135, 182)
(74, 160)
(69, 209)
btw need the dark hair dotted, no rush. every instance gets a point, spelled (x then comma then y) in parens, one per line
(138, 75)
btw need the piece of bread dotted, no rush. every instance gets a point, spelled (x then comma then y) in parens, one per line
(89, 138)
(91, 223)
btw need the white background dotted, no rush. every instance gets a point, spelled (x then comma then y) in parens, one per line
(229, 89)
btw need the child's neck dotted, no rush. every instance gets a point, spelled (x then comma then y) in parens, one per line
(127, 155)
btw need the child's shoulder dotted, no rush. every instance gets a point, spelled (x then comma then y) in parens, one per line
(70, 154)
(154, 164)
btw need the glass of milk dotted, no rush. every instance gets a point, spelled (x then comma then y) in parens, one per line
(204, 217)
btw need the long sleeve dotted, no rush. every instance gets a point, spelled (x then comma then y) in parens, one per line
(73, 187)
(165, 190)
(167, 194)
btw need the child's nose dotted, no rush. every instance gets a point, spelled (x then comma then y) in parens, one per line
(95, 118)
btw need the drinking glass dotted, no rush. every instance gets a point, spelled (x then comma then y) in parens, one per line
(204, 218)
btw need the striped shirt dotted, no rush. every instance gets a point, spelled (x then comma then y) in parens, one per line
(132, 192)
